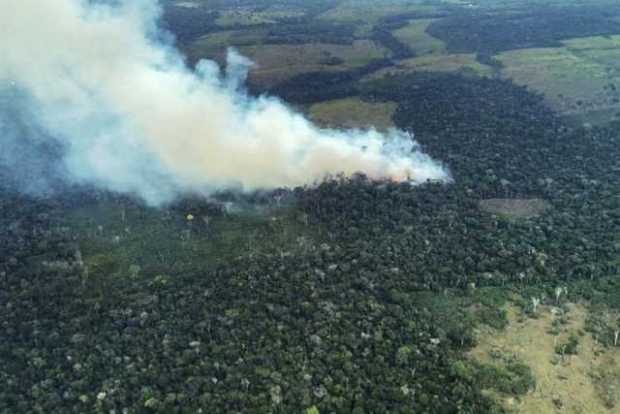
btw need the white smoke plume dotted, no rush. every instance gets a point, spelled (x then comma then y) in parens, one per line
(133, 118)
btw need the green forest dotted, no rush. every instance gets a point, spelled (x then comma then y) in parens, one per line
(352, 295)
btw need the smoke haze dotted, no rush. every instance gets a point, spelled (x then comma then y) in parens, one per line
(99, 81)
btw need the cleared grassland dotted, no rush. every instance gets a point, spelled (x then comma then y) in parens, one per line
(372, 10)
(581, 77)
(214, 45)
(463, 63)
(563, 77)
(250, 18)
(353, 113)
(568, 384)
(276, 63)
(594, 42)
(415, 37)
(515, 208)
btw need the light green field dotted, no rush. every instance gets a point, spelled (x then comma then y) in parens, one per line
(214, 45)
(415, 37)
(276, 63)
(465, 64)
(372, 10)
(595, 42)
(354, 113)
(515, 208)
(604, 50)
(593, 117)
(209, 45)
(578, 78)
(563, 77)
(249, 18)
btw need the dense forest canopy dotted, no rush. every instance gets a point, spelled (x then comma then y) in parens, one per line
(351, 295)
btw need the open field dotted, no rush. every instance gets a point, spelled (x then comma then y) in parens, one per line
(593, 117)
(515, 208)
(415, 37)
(353, 113)
(565, 383)
(372, 11)
(276, 63)
(465, 64)
(250, 18)
(581, 77)
(593, 43)
(214, 45)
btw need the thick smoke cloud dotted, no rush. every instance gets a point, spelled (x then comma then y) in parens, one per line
(131, 117)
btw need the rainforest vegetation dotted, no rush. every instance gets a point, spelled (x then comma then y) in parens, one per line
(350, 296)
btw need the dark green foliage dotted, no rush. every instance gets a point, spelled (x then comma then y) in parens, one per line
(393, 282)
(604, 292)
(509, 376)
(224, 339)
(189, 23)
(360, 297)
(493, 317)
(488, 33)
(603, 323)
(308, 32)
(382, 33)
(569, 347)
(319, 86)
